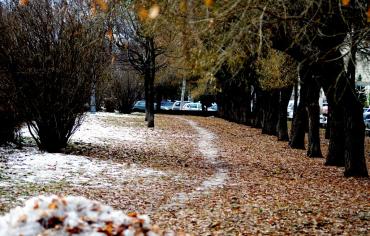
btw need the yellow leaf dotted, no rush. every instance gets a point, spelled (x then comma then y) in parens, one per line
(24, 2)
(103, 5)
(209, 3)
(183, 6)
(53, 205)
(154, 11)
(345, 3)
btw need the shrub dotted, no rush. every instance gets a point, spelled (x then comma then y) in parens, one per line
(52, 53)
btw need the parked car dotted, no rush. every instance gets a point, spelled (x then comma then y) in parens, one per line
(323, 120)
(176, 105)
(366, 112)
(290, 109)
(213, 107)
(324, 108)
(139, 106)
(166, 105)
(367, 121)
(192, 106)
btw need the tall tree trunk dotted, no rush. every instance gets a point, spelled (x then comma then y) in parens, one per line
(257, 110)
(282, 127)
(270, 110)
(151, 77)
(328, 122)
(299, 124)
(347, 132)
(313, 111)
(354, 127)
(146, 94)
(150, 102)
(354, 131)
(335, 155)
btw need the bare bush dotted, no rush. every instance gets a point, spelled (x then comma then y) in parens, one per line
(53, 49)
(128, 88)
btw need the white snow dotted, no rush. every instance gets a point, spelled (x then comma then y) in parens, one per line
(96, 131)
(31, 165)
(63, 216)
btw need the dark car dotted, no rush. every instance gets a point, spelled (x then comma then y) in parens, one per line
(367, 121)
(166, 105)
(139, 106)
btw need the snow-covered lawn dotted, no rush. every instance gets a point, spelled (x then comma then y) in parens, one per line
(30, 165)
(110, 134)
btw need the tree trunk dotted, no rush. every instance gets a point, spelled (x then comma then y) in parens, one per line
(146, 94)
(335, 155)
(270, 111)
(257, 111)
(328, 121)
(299, 124)
(354, 131)
(313, 111)
(347, 131)
(150, 102)
(282, 127)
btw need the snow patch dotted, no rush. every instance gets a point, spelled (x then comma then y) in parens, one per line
(31, 165)
(63, 216)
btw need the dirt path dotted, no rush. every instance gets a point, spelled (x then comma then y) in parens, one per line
(206, 141)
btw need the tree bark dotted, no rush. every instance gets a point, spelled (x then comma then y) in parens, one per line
(282, 127)
(150, 102)
(347, 130)
(146, 94)
(299, 124)
(313, 111)
(270, 111)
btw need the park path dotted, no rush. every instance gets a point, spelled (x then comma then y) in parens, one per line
(206, 145)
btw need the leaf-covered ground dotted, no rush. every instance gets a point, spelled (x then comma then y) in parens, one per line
(220, 178)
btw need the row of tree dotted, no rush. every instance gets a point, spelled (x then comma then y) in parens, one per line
(247, 54)
(256, 50)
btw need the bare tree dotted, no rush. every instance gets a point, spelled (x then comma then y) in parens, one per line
(134, 38)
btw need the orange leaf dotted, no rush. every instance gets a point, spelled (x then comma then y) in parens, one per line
(143, 13)
(93, 9)
(24, 2)
(209, 3)
(368, 14)
(53, 205)
(132, 214)
(36, 205)
(346, 3)
(109, 34)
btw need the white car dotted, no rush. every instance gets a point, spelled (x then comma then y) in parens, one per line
(192, 106)
(323, 120)
(290, 109)
(176, 105)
